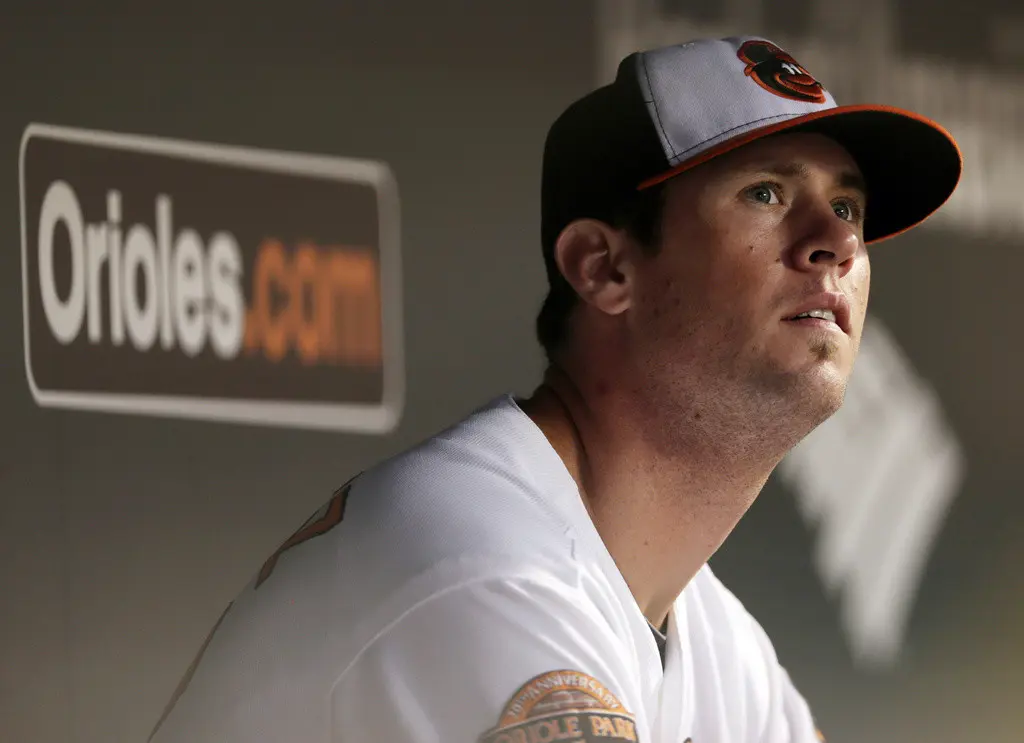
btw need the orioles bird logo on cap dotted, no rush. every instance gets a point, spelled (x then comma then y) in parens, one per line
(778, 73)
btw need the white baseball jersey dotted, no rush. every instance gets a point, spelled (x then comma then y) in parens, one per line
(459, 592)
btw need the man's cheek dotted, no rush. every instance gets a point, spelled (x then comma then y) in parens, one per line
(859, 277)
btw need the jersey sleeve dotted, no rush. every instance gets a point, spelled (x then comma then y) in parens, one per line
(496, 660)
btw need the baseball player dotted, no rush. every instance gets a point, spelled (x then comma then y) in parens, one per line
(538, 571)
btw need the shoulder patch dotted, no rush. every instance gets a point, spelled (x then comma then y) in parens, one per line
(563, 706)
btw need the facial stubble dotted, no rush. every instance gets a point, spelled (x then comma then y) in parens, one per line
(825, 349)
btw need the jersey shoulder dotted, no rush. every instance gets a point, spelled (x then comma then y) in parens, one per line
(478, 502)
(484, 486)
(487, 489)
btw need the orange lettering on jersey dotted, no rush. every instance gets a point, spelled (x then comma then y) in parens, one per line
(553, 730)
(314, 527)
(625, 729)
(601, 726)
(563, 706)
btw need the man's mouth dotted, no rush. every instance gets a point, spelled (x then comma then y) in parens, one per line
(821, 314)
(827, 310)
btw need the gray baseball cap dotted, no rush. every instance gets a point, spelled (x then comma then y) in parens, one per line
(672, 108)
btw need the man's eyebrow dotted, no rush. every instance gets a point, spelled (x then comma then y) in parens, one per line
(850, 179)
(847, 179)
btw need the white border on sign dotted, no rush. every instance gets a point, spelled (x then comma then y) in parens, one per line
(377, 418)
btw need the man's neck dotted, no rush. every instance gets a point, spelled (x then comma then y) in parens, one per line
(660, 517)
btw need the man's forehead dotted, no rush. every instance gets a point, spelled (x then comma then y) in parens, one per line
(792, 155)
(847, 176)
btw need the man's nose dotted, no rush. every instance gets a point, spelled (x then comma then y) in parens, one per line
(829, 244)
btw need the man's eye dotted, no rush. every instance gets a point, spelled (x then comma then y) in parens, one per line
(846, 211)
(764, 193)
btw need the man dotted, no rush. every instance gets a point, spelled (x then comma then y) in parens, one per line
(538, 572)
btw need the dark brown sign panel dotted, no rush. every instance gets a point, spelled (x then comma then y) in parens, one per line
(205, 281)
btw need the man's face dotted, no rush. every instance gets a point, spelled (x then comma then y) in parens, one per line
(751, 241)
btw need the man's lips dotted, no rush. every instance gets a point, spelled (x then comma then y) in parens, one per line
(826, 308)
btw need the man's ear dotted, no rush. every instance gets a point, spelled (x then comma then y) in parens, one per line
(596, 260)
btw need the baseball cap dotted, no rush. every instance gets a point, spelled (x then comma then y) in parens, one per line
(672, 108)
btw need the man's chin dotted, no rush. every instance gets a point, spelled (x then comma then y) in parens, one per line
(813, 388)
(824, 391)
(825, 349)
(824, 358)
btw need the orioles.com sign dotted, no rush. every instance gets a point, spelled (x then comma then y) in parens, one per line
(193, 280)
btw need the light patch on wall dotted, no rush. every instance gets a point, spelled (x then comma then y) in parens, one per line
(877, 480)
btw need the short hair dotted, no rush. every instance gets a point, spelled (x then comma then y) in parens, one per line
(640, 216)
